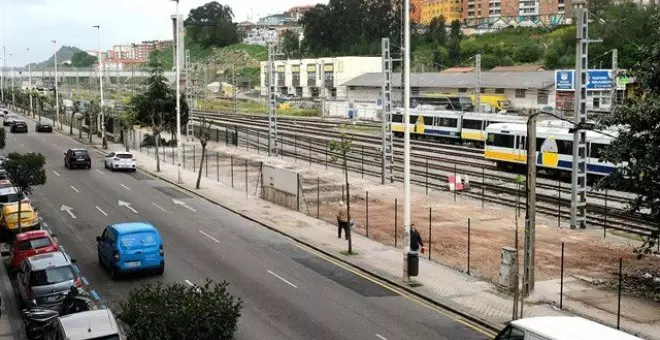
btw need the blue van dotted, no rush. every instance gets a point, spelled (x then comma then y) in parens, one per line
(131, 247)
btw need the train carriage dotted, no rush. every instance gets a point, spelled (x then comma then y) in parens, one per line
(506, 144)
(429, 124)
(473, 127)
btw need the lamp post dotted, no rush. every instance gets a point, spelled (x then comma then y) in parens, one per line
(57, 93)
(13, 96)
(178, 93)
(30, 80)
(406, 140)
(100, 56)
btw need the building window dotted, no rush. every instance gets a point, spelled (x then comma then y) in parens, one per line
(520, 93)
(542, 97)
(482, 90)
(499, 91)
(462, 90)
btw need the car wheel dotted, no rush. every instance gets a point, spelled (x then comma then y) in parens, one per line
(114, 273)
(65, 164)
(133, 170)
(160, 270)
(89, 166)
(98, 253)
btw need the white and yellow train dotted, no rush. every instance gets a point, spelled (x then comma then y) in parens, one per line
(506, 144)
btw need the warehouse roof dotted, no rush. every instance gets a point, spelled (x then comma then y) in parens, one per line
(507, 80)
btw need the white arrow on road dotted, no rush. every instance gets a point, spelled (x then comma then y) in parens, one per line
(68, 209)
(127, 205)
(181, 203)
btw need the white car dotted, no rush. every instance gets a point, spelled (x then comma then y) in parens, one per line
(120, 160)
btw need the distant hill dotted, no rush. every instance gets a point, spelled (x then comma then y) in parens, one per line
(63, 54)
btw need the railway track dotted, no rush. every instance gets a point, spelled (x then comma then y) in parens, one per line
(430, 168)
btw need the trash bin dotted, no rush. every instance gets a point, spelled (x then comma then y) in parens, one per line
(413, 264)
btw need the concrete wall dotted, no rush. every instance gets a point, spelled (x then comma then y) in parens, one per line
(279, 197)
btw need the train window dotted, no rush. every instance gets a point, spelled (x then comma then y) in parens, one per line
(597, 150)
(397, 118)
(505, 141)
(565, 147)
(472, 124)
(539, 143)
(448, 122)
(413, 119)
(521, 143)
(428, 120)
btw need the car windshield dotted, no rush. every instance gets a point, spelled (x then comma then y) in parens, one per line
(37, 243)
(12, 197)
(80, 153)
(124, 155)
(51, 276)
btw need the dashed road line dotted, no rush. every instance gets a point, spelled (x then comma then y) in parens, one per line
(74, 188)
(56, 174)
(209, 236)
(99, 171)
(125, 187)
(159, 207)
(283, 279)
(101, 210)
(380, 337)
(190, 283)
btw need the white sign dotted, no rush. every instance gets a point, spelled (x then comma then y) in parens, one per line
(281, 179)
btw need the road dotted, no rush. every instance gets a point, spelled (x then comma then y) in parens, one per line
(288, 292)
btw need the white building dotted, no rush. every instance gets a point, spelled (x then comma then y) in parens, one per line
(261, 36)
(312, 78)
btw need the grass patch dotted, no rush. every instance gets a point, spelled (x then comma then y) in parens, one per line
(346, 253)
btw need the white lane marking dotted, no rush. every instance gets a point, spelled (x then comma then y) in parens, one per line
(127, 205)
(68, 209)
(159, 207)
(283, 279)
(74, 188)
(380, 337)
(189, 283)
(125, 187)
(183, 204)
(22, 145)
(209, 236)
(99, 171)
(101, 210)
(56, 174)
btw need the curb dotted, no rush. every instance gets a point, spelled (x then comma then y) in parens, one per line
(482, 323)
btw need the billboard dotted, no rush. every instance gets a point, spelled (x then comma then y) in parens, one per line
(596, 80)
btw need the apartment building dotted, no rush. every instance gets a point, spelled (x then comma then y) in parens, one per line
(450, 9)
(515, 12)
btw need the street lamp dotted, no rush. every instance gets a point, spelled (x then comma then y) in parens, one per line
(13, 91)
(30, 81)
(177, 49)
(57, 101)
(100, 56)
(406, 140)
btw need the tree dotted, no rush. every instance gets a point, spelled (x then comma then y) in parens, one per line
(127, 120)
(83, 59)
(3, 138)
(343, 148)
(454, 46)
(74, 110)
(93, 111)
(212, 25)
(437, 32)
(181, 312)
(636, 149)
(290, 44)
(203, 136)
(25, 171)
(156, 106)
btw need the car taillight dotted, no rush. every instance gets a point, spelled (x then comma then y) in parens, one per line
(116, 256)
(162, 253)
(133, 159)
(115, 159)
(78, 282)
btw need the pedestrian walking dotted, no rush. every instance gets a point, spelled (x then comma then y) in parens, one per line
(416, 242)
(342, 220)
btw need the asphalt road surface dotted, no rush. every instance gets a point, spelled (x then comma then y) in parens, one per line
(288, 292)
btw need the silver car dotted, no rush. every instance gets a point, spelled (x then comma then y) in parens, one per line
(45, 279)
(93, 324)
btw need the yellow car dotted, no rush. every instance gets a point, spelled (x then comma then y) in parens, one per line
(9, 217)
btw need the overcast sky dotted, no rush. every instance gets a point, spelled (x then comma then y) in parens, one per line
(34, 23)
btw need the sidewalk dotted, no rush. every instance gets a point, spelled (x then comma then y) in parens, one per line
(438, 283)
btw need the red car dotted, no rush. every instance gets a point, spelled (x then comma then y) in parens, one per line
(31, 243)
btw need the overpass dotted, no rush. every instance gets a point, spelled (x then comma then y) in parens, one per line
(73, 75)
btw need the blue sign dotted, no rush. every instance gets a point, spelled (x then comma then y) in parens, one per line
(596, 80)
(564, 80)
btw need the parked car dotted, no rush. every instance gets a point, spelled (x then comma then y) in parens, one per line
(77, 157)
(120, 160)
(44, 127)
(131, 247)
(560, 328)
(29, 244)
(45, 279)
(9, 220)
(8, 120)
(19, 126)
(10, 194)
(93, 324)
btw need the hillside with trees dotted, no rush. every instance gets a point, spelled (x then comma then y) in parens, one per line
(63, 54)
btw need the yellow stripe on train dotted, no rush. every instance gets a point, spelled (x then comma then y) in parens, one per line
(473, 136)
(399, 128)
(505, 156)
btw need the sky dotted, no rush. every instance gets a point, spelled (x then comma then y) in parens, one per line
(34, 24)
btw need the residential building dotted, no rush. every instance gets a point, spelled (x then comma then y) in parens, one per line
(314, 78)
(416, 12)
(450, 9)
(297, 12)
(276, 20)
(503, 13)
(261, 36)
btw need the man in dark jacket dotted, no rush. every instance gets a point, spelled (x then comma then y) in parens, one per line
(415, 239)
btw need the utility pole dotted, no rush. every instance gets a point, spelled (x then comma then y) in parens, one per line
(477, 85)
(57, 92)
(235, 88)
(272, 117)
(615, 75)
(4, 70)
(579, 174)
(322, 88)
(386, 148)
(403, 50)
(98, 37)
(13, 97)
(529, 258)
(4, 57)
(178, 51)
(406, 141)
(30, 80)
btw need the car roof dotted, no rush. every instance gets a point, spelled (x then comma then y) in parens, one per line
(132, 227)
(89, 324)
(570, 328)
(43, 261)
(78, 149)
(7, 190)
(122, 152)
(32, 235)
(12, 207)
